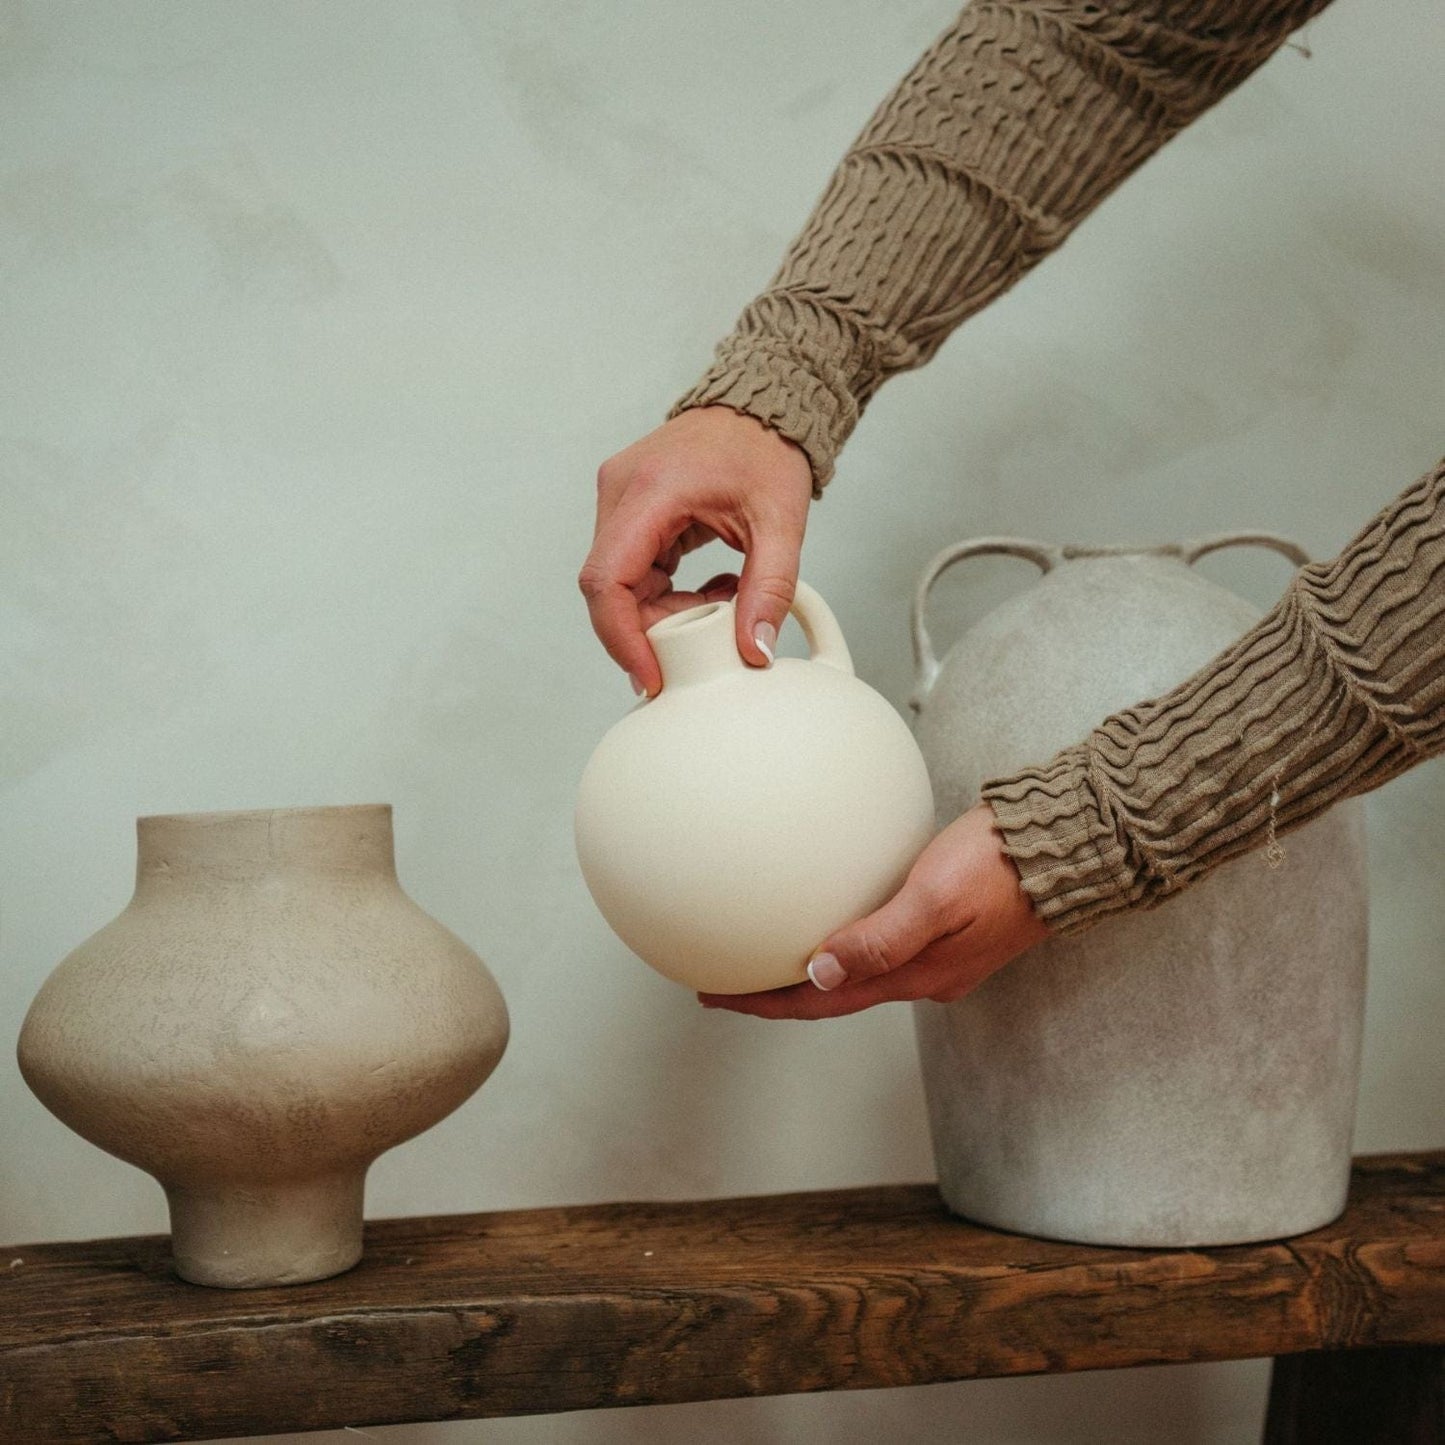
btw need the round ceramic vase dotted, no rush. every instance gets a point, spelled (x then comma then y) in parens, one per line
(1180, 1076)
(268, 1015)
(727, 826)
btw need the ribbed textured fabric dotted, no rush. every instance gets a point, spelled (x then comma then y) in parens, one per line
(1335, 691)
(1015, 124)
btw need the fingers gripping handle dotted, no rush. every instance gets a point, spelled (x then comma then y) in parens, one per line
(820, 627)
(925, 663)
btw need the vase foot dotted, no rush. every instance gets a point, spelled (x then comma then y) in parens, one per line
(248, 1236)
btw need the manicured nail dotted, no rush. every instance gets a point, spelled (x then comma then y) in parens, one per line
(826, 972)
(637, 686)
(766, 637)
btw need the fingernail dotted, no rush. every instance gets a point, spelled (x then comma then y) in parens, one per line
(766, 637)
(826, 972)
(637, 686)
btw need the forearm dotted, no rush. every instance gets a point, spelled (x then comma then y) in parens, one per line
(1338, 689)
(1012, 127)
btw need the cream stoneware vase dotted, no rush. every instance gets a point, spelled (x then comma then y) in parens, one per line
(727, 826)
(268, 1015)
(1181, 1076)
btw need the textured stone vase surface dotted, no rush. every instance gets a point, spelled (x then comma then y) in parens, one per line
(1181, 1076)
(728, 825)
(268, 1015)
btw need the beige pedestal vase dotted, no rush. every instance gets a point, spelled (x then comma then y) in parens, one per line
(269, 1014)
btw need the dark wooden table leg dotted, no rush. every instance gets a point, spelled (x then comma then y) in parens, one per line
(1358, 1397)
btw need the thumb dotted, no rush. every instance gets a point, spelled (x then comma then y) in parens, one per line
(765, 592)
(879, 943)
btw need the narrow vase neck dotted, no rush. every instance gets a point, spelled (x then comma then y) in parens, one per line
(697, 645)
(237, 847)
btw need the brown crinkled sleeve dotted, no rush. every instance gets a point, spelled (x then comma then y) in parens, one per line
(1338, 689)
(1010, 129)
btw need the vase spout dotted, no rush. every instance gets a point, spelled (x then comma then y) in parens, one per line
(697, 645)
(244, 846)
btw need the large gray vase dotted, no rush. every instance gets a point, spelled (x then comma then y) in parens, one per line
(1180, 1076)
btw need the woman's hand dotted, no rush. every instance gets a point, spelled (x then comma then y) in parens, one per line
(710, 473)
(960, 915)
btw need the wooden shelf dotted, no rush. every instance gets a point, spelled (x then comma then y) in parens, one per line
(632, 1304)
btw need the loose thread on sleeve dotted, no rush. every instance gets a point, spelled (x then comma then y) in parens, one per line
(1274, 854)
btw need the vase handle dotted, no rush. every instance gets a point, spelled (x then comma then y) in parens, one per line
(825, 638)
(925, 664)
(1191, 552)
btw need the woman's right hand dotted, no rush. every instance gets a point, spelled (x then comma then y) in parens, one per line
(710, 473)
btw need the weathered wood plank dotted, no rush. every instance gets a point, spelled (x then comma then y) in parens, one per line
(627, 1304)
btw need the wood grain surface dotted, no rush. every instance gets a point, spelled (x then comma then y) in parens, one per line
(630, 1304)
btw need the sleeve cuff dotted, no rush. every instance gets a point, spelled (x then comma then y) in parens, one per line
(772, 386)
(1055, 826)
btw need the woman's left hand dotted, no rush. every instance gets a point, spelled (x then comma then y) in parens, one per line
(960, 915)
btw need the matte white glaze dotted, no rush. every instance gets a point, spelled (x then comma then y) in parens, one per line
(727, 826)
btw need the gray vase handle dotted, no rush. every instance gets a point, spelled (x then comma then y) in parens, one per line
(1041, 554)
(1191, 552)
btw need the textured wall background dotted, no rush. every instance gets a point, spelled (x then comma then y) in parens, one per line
(318, 319)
